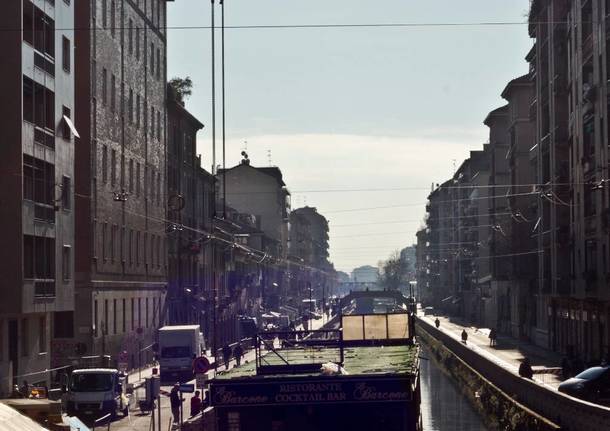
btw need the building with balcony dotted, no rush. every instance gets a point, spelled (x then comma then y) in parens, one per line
(37, 194)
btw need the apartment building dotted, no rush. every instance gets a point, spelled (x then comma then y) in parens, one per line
(37, 198)
(519, 311)
(120, 177)
(580, 319)
(190, 212)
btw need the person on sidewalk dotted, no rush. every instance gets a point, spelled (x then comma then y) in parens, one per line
(196, 404)
(238, 352)
(437, 323)
(176, 402)
(226, 354)
(525, 369)
(464, 336)
(492, 337)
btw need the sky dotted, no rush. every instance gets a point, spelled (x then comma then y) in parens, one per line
(361, 121)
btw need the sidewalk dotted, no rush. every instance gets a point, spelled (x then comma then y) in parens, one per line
(508, 353)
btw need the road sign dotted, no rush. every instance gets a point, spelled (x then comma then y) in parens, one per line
(201, 379)
(187, 388)
(201, 365)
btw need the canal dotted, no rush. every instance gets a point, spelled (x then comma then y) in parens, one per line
(443, 407)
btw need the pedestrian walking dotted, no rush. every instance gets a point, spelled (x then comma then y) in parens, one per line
(176, 402)
(492, 337)
(525, 369)
(238, 352)
(196, 404)
(464, 336)
(566, 368)
(226, 354)
(437, 323)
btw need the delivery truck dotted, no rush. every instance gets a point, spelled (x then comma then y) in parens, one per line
(178, 346)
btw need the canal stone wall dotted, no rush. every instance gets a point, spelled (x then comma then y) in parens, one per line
(567, 412)
(496, 407)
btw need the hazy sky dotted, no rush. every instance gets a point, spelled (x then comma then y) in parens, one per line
(353, 108)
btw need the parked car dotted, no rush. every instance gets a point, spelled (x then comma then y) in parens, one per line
(593, 385)
(428, 310)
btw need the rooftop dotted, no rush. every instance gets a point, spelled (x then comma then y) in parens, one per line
(358, 361)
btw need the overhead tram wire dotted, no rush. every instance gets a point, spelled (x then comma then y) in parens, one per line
(331, 25)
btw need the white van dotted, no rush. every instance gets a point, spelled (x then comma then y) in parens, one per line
(95, 392)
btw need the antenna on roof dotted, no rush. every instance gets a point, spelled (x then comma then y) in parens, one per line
(269, 157)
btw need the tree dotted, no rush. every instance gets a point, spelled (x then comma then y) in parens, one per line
(183, 88)
(394, 272)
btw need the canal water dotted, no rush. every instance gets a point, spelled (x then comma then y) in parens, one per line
(443, 407)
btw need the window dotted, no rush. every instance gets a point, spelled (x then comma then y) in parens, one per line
(66, 53)
(104, 86)
(38, 181)
(158, 189)
(137, 43)
(104, 239)
(39, 106)
(38, 29)
(66, 267)
(38, 257)
(130, 36)
(131, 176)
(113, 242)
(139, 312)
(138, 179)
(113, 93)
(105, 13)
(65, 128)
(146, 323)
(63, 324)
(130, 247)
(158, 124)
(114, 316)
(112, 18)
(158, 63)
(130, 107)
(152, 58)
(133, 315)
(66, 192)
(95, 318)
(138, 111)
(104, 164)
(138, 248)
(42, 334)
(105, 322)
(25, 332)
(113, 167)
(124, 311)
(152, 121)
(145, 248)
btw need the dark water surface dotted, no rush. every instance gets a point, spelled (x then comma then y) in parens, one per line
(443, 407)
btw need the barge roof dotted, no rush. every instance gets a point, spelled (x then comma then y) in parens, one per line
(401, 360)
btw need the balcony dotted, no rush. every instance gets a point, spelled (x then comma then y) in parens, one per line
(44, 288)
(44, 212)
